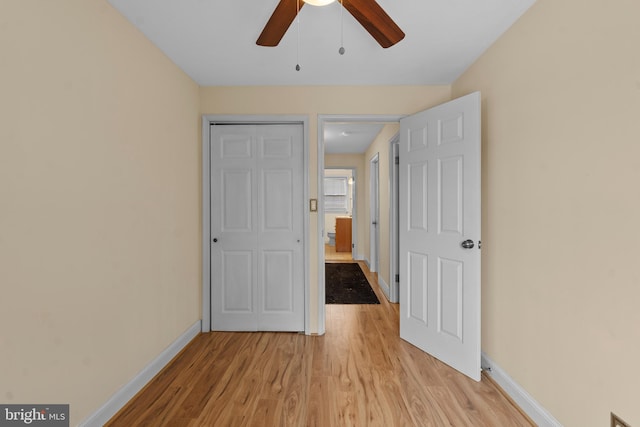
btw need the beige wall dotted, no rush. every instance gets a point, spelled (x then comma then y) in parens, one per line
(380, 146)
(99, 203)
(561, 172)
(312, 101)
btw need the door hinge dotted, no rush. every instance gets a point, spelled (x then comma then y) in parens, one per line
(397, 278)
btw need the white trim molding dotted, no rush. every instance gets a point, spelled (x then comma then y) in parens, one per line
(126, 393)
(385, 288)
(519, 395)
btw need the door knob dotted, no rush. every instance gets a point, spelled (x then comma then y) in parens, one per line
(215, 240)
(467, 244)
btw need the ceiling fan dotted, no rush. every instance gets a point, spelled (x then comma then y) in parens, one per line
(367, 12)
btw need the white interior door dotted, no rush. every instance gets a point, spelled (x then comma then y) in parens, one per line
(440, 232)
(374, 215)
(394, 214)
(257, 277)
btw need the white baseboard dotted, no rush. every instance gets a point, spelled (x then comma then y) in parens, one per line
(122, 396)
(385, 288)
(519, 395)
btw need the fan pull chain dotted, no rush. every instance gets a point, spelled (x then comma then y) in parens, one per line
(341, 50)
(298, 30)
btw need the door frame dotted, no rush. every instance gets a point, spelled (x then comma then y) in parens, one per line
(374, 213)
(207, 121)
(322, 119)
(394, 219)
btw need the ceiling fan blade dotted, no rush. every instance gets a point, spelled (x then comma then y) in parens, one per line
(375, 20)
(280, 20)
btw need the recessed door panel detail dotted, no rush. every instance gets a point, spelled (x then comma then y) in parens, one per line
(237, 292)
(450, 293)
(278, 200)
(277, 148)
(257, 227)
(450, 192)
(235, 147)
(418, 139)
(278, 281)
(449, 289)
(418, 186)
(418, 297)
(238, 199)
(451, 129)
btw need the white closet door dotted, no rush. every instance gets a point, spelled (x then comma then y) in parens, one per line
(257, 275)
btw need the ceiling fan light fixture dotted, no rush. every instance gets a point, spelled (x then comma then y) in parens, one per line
(368, 13)
(318, 2)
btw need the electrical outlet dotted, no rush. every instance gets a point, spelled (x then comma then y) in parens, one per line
(617, 421)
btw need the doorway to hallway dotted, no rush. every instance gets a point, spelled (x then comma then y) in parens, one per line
(339, 213)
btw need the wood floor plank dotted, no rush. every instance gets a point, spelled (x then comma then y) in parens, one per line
(359, 373)
(212, 368)
(268, 412)
(318, 403)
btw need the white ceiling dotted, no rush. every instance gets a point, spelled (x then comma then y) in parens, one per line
(349, 137)
(213, 41)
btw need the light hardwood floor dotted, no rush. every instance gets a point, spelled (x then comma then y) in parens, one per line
(330, 254)
(360, 373)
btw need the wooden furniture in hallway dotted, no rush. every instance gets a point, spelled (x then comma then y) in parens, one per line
(360, 373)
(343, 234)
